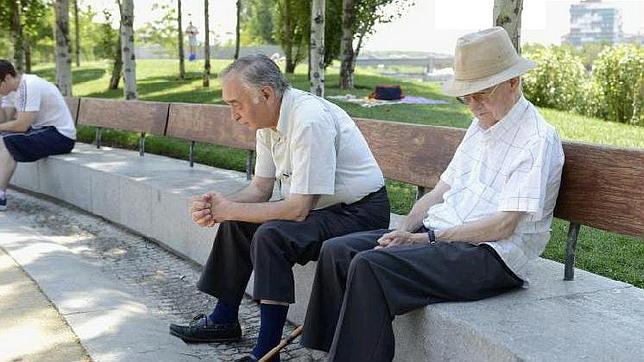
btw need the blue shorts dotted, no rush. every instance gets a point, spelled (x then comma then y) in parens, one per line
(36, 144)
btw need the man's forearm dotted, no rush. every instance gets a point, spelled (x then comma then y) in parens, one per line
(250, 194)
(496, 227)
(13, 126)
(265, 211)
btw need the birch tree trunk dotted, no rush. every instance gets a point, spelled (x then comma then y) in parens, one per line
(63, 56)
(127, 49)
(346, 44)
(316, 48)
(206, 67)
(18, 38)
(507, 14)
(77, 34)
(117, 69)
(239, 5)
(182, 62)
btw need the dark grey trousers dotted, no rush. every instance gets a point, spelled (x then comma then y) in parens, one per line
(272, 248)
(357, 290)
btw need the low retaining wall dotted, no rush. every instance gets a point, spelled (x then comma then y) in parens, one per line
(592, 318)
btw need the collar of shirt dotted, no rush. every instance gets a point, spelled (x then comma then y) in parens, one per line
(507, 123)
(284, 121)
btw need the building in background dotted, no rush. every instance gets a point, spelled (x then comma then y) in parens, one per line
(591, 21)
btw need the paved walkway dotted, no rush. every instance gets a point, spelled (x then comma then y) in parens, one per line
(113, 291)
(32, 329)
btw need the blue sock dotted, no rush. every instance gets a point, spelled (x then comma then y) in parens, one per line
(272, 318)
(224, 313)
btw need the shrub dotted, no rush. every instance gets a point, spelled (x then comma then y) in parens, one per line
(558, 79)
(618, 73)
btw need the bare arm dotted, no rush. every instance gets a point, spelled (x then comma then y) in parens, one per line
(20, 124)
(6, 113)
(260, 189)
(499, 226)
(295, 208)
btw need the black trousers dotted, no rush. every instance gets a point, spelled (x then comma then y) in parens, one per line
(358, 290)
(272, 248)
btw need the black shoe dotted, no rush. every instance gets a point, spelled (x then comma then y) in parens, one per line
(202, 330)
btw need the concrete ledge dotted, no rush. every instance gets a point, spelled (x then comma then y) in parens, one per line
(592, 318)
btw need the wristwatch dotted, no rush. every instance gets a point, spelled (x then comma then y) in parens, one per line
(432, 236)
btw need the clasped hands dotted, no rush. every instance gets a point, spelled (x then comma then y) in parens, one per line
(401, 237)
(209, 209)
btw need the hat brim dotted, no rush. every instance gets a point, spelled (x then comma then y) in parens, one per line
(458, 88)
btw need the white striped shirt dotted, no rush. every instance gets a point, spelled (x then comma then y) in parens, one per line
(514, 165)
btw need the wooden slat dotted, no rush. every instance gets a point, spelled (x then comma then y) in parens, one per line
(72, 104)
(138, 116)
(210, 124)
(411, 153)
(603, 187)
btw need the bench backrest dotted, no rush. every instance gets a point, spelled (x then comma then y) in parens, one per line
(602, 187)
(137, 116)
(209, 124)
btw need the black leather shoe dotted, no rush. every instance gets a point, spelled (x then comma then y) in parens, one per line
(202, 330)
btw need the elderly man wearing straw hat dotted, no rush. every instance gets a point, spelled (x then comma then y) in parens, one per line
(470, 238)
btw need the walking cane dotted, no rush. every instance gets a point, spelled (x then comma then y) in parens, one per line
(285, 342)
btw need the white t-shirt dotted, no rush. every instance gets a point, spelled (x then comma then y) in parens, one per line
(514, 165)
(317, 149)
(35, 94)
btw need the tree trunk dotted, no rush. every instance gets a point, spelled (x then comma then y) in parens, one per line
(182, 64)
(316, 48)
(346, 44)
(356, 53)
(27, 56)
(206, 67)
(239, 5)
(117, 69)
(127, 49)
(63, 56)
(18, 42)
(507, 14)
(77, 35)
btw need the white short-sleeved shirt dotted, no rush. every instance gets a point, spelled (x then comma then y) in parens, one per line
(317, 149)
(514, 165)
(35, 94)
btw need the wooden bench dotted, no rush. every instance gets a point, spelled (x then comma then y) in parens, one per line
(601, 186)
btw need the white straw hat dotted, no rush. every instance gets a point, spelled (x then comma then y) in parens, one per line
(482, 60)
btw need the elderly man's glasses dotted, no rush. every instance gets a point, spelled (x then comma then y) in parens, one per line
(481, 96)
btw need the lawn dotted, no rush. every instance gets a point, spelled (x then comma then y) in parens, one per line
(612, 255)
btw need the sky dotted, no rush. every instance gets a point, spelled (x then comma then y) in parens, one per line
(429, 25)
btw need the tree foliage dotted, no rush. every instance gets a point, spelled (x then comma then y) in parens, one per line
(293, 19)
(162, 31)
(619, 76)
(557, 79)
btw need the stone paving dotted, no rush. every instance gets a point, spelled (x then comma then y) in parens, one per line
(164, 281)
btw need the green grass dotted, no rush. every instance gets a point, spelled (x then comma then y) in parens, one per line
(612, 255)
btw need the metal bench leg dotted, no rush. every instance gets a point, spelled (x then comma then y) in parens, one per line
(420, 192)
(142, 144)
(191, 153)
(250, 160)
(98, 137)
(571, 245)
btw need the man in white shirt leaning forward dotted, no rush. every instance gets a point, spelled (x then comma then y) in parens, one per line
(34, 122)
